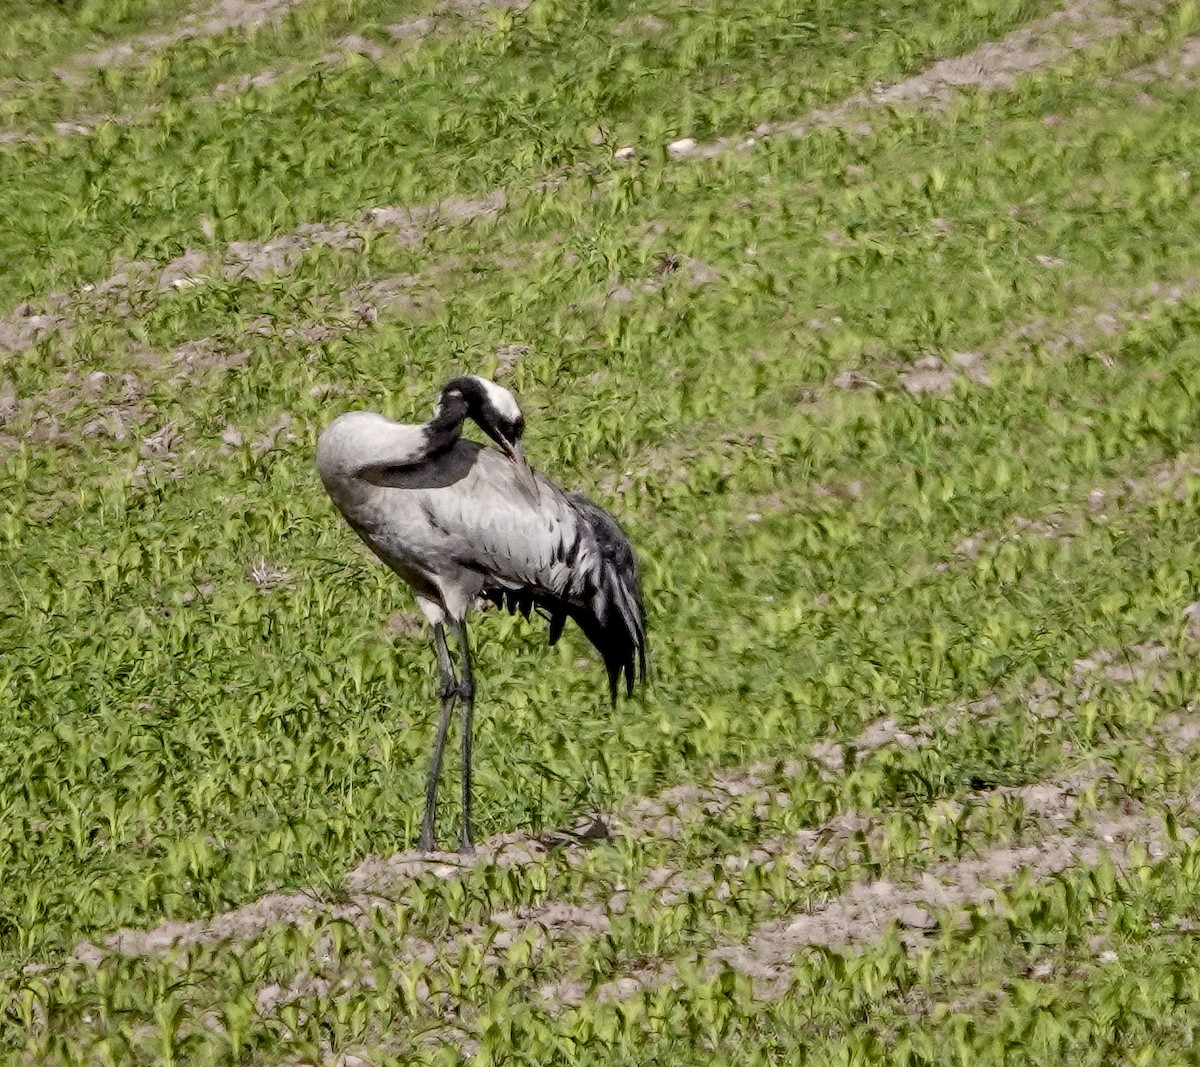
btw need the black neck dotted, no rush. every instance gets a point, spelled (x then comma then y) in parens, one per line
(445, 428)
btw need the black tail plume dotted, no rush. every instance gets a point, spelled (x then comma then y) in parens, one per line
(605, 596)
(610, 612)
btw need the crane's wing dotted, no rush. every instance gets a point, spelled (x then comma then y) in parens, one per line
(562, 554)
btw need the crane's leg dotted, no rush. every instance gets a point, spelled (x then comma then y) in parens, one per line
(466, 690)
(448, 691)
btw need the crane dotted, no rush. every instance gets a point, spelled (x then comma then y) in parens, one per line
(463, 523)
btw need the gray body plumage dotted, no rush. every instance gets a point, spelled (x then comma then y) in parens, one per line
(457, 525)
(459, 522)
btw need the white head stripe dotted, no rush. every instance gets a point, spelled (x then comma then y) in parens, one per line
(501, 399)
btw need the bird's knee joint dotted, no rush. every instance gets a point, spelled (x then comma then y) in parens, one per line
(448, 688)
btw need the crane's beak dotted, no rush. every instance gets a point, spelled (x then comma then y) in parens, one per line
(524, 472)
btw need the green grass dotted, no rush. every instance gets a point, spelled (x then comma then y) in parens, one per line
(176, 740)
(342, 140)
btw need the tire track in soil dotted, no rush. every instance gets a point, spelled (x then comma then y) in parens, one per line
(861, 914)
(992, 65)
(229, 15)
(376, 881)
(867, 911)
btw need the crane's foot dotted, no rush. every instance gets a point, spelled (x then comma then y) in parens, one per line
(427, 843)
(467, 847)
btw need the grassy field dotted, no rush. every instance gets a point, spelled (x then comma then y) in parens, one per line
(889, 366)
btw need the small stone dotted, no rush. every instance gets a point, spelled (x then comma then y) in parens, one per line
(628, 152)
(685, 146)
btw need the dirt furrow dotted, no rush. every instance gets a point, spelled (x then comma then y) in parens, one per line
(992, 65)
(1077, 820)
(1090, 328)
(110, 403)
(1124, 835)
(218, 17)
(449, 16)
(867, 911)
(225, 16)
(380, 881)
(1181, 67)
(58, 312)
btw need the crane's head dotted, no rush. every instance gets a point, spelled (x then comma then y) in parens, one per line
(496, 411)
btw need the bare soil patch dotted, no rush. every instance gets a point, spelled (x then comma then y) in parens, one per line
(1062, 829)
(1166, 479)
(219, 17)
(231, 15)
(867, 911)
(1181, 67)
(931, 375)
(992, 63)
(992, 66)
